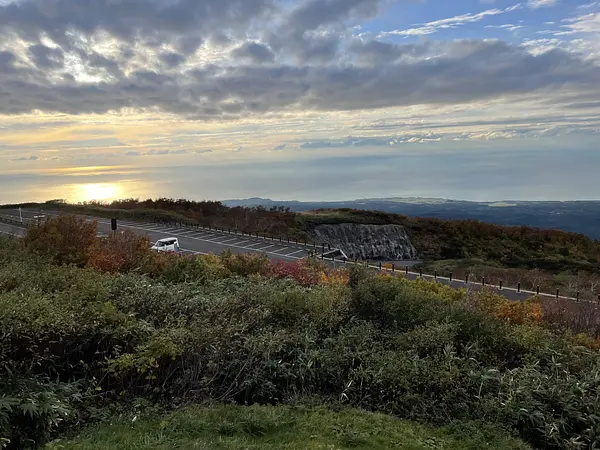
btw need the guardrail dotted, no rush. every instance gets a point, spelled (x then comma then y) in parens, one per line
(12, 220)
(340, 257)
(467, 283)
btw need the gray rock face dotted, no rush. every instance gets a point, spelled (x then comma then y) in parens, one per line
(374, 242)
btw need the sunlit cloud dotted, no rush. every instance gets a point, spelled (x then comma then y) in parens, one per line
(119, 90)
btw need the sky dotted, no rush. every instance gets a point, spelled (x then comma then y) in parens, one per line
(309, 99)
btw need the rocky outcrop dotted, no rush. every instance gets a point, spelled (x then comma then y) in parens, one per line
(374, 242)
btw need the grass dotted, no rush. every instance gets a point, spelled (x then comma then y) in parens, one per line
(282, 427)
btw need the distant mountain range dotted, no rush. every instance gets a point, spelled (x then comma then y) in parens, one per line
(577, 216)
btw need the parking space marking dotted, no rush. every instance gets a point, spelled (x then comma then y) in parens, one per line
(280, 250)
(264, 248)
(229, 240)
(251, 245)
(177, 232)
(193, 252)
(295, 253)
(188, 232)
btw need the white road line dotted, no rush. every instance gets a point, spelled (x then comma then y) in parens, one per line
(147, 227)
(251, 245)
(193, 251)
(295, 253)
(229, 240)
(264, 248)
(216, 240)
(205, 235)
(186, 232)
(234, 246)
(170, 230)
(280, 250)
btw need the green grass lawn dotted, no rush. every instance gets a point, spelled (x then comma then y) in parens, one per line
(235, 427)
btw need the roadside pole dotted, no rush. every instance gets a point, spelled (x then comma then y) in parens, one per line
(20, 215)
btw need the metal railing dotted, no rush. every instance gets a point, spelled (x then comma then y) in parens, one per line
(466, 283)
(336, 255)
(12, 220)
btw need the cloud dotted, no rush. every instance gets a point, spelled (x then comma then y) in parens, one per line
(150, 20)
(451, 22)
(46, 57)
(237, 59)
(441, 73)
(588, 23)
(541, 3)
(26, 158)
(172, 59)
(254, 52)
(315, 13)
(7, 60)
(163, 152)
(508, 27)
(595, 4)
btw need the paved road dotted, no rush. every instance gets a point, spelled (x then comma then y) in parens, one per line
(11, 230)
(197, 240)
(201, 241)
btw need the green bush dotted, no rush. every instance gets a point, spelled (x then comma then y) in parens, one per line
(412, 349)
(33, 409)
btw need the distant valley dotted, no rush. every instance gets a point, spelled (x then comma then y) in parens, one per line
(576, 216)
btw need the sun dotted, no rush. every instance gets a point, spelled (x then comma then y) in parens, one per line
(97, 191)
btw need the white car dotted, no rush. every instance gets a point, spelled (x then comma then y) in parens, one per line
(166, 245)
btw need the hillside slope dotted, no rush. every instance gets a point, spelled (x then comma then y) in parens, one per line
(575, 216)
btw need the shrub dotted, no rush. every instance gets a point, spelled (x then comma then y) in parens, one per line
(33, 409)
(119, 252)
(413, 349)
(201, 268)
(65, 239)
(301, 271)
(246, 264)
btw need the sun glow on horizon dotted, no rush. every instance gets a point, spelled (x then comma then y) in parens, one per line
(97, 192)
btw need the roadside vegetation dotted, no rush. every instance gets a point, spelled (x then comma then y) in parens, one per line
(549, 259)
(106, 331)
(551, 251)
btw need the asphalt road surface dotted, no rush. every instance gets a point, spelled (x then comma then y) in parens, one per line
(195, 240)
(10, 230)
(202, 241)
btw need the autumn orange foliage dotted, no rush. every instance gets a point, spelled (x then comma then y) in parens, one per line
(529, 311)
(119, 252)
(309, 273)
